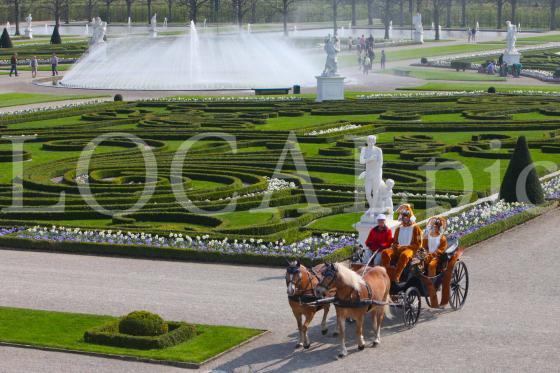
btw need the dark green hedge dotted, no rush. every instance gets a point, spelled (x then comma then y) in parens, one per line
(109, 335)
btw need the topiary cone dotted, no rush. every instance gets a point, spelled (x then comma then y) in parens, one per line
(55, 37)
(5, 40)
(521, 164)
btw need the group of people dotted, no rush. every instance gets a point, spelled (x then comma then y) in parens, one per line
(407, 242)
(501, 67)
(33, 64)
(366, 54)
(471, 34)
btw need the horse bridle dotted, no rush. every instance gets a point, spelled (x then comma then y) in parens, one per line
(330, 271)
(295, 270)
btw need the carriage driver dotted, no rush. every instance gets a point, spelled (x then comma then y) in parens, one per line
(407, 240)
(380, 238)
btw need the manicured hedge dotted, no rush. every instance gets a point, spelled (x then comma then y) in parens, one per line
(109, 335)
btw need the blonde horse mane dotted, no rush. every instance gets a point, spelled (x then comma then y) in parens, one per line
(349, 277)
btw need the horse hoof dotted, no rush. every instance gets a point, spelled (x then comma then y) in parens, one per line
(335, 334)
(299, 345)
(341, 356)
(307, 346)
(361, 348)
(375, 344)
(324, 331)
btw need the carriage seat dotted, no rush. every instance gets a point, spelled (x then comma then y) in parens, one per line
(452, 247)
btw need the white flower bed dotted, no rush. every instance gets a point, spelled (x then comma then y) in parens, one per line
(332, 130)
(412, 94)
(51, 108)
(221, 98)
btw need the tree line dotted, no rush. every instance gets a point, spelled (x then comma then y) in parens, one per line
(446, 13)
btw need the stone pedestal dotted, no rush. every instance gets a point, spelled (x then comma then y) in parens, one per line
(418, 37)
(330, 88)
(367, 222)
(512, 58)
(28, 33)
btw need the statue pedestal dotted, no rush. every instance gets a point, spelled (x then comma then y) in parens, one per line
(367, 223)
(418, 37)
(29, 33)
(512, 57)
(330, 88)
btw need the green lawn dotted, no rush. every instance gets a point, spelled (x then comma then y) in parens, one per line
(443, 74)
(66, 330)
(15, 99)
(481, 87)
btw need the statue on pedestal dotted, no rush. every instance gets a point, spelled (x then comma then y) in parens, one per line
(332, 48)
(511, 38)
(418, 28)
(29, 27)
(372, 157)
(99, 29)
(153, 26)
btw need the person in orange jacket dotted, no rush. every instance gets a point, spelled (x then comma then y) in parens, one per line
(380, 238)
(406, 242)
(434, 244)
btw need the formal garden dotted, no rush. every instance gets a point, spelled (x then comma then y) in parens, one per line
(255, 180)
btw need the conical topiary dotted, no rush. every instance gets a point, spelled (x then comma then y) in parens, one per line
(55, 37)
(521, 165)
(5, 40)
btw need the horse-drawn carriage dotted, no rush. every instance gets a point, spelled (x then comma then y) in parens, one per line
(362, 289)
(452, 279)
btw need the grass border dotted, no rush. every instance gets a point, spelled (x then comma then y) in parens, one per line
(174, 363)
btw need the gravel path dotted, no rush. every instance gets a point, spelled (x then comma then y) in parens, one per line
(508, 324)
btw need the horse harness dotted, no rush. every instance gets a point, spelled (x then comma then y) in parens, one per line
(303, 297)
(370, 302)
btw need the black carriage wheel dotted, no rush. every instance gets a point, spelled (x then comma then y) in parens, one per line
(459, 287)
(412, 304)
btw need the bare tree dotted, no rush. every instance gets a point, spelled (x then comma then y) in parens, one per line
(108, 10)
(463, 13)
(129, 8)
(240, 8)
(513, 4)
(499, 10)
(370, 12)
(553, 5)
(401, 13)
(149, 4)
(16, 4)
(448, 13)
(194, 6)
(353, 5)
(90, 5)
(436, 13)
(387, 16)
(284, 9)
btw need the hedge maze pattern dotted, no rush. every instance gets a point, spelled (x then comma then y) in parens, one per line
(328, 135)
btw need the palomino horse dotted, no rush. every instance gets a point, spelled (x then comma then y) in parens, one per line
(301, 283)
(355, 296)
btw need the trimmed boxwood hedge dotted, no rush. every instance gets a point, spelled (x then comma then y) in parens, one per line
(109, 335)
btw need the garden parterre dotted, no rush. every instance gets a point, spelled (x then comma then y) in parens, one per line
(281, 181)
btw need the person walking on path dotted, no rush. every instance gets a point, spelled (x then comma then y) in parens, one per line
(34, 65)
(383, 59)
(13, 65)
(54, 64)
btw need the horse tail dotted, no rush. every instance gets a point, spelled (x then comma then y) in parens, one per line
(387, 307)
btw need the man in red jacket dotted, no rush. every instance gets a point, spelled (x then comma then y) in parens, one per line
(379, 239)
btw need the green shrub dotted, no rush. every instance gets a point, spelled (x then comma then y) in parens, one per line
(423, 60)
(118, 97)
(109, 335)
(521, 165)
(55, 37)
(5, 40)
(460, 65)
(491, 89)
(142, 323)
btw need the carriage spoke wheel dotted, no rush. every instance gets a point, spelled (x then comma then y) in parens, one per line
(411, 307)
(459, 285)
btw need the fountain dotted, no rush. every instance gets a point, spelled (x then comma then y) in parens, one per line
(204, 25)
(249, 29)
(46, 28)
(86, 31)
(129, 25)
(390, 30)
(165, 23)
(195, 61)
(153, 26)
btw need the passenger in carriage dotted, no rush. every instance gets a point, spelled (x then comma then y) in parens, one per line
(434, 244)
(406, 241)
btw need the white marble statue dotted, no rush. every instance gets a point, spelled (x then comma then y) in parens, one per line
(511, 38)
(372, 157)
(332, 48)
(390, 30)
(29, 27)
(384, 203)
(418, 28)
(153, 26)
(99, 30)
